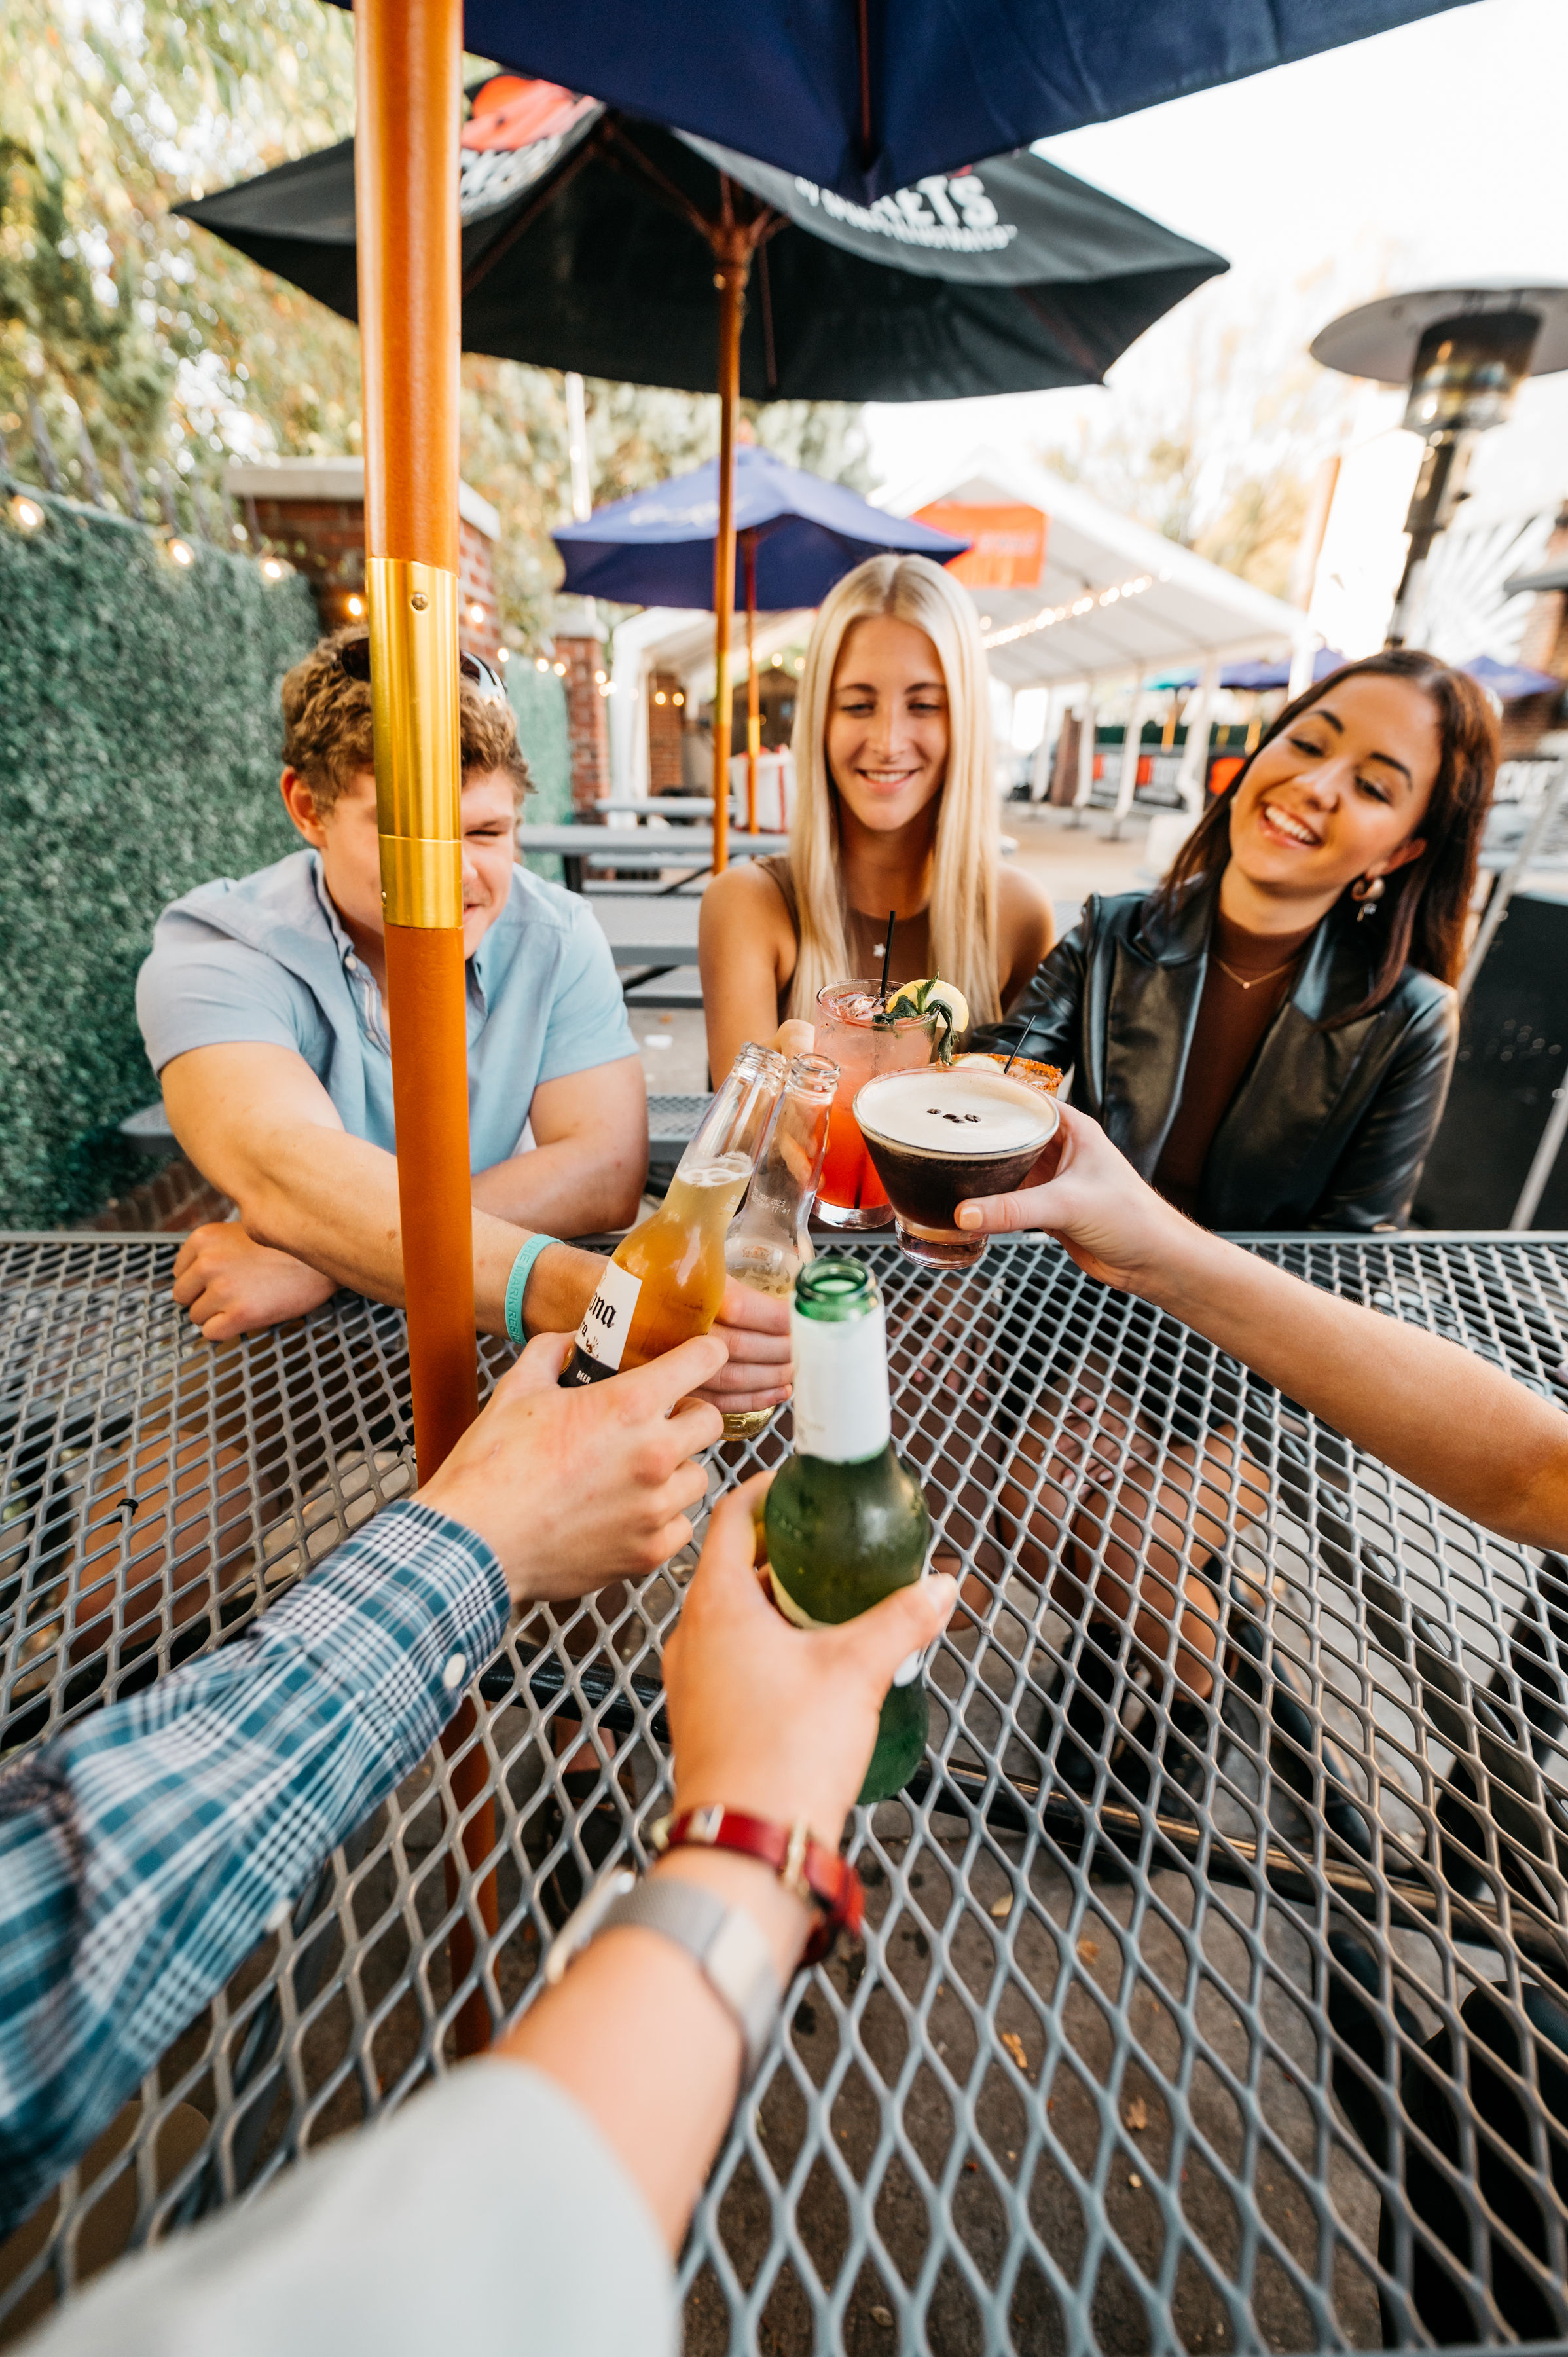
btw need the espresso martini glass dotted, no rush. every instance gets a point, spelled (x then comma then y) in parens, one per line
(938, 1137)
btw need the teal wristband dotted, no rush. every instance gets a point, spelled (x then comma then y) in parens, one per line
(517, 1284)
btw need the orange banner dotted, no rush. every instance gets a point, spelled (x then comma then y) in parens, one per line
(1008, 550)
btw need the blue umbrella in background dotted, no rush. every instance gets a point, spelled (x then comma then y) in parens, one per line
(865, 99)
(1254, 678)
(1509, 681)
(796, 536)
(656, 548)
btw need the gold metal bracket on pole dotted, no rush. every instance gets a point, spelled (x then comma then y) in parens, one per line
(415, 695)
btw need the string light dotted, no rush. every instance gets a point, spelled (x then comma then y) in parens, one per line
(1048, 616)
(26, 513)
(541, 662)
(504, 654)
(272, 568)
(181, 552)
(356, 607)
(476, 614)
(659, 696)
(560, 670)
(677, 698)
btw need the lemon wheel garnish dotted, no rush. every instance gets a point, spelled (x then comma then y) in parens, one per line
(944, 993)
(925, 998)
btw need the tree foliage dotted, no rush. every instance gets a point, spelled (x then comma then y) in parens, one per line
(1217, 425)
(160, 337)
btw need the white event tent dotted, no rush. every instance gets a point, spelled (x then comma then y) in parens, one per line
(1115, 605)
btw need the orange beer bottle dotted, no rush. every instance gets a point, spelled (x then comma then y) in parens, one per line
(668, 1277)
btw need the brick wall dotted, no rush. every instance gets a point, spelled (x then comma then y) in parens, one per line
(478, 623)
(173, 1200)
(665, 717)
(312, 510)
(587, 719)
(324, 539)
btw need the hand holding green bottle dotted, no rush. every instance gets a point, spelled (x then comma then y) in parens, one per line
(845, 1520)
(771, 1719)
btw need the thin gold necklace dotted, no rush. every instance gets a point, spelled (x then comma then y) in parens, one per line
(1242, 984)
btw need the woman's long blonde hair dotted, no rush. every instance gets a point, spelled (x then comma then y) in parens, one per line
(963, 883)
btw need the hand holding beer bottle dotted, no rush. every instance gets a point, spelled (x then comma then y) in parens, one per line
(667, 1278)
(845, 1520)
(771, 1242)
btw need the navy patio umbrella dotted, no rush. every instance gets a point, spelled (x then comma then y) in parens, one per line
(1255, 677)
(656, 547)
(796, 536)
(1509, 681)
(866, 98)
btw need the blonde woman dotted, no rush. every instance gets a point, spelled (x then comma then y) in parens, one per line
(895, 808)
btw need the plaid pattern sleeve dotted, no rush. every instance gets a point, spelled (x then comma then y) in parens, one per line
(143, 1855)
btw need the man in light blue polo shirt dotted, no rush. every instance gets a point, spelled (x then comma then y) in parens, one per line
(262, 1007)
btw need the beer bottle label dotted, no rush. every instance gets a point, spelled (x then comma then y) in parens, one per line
(841, 1386)
(606, 1322)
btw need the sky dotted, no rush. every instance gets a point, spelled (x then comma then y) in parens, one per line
(1431, 155)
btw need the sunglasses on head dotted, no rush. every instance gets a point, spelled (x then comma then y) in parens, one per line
(354, 662)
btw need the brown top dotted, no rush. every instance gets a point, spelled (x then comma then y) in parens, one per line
(1232, 1016)
(867, 936)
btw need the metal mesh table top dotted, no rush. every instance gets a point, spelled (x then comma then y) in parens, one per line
(1177, 2026)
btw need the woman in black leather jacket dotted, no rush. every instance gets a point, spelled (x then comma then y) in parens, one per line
(1269, 1037)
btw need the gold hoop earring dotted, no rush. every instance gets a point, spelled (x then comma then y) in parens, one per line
(1369, 891)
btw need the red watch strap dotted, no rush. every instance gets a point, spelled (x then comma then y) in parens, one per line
(807, 1868)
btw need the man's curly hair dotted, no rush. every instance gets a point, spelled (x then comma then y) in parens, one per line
(328, 736)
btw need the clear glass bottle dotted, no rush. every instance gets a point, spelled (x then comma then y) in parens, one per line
(771, 1242)
(846, 1519)
(667, 1278)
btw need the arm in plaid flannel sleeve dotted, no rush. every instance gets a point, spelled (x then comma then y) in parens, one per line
(143, 1856)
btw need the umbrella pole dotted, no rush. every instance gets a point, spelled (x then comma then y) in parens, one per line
(753, 705)
(409, 68)
(733, 258)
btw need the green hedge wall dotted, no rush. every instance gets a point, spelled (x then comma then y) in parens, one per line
(139, 739)
(539, 700)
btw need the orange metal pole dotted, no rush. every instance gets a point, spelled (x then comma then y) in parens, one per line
(733, 258)
(753, 703)
(408, 97)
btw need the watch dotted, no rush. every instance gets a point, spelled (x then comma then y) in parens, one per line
(725, 1943)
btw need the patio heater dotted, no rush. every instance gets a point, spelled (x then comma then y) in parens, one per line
(1463, 352)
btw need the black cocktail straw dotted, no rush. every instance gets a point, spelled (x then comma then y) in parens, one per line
(887, 954)
(1022, 1036)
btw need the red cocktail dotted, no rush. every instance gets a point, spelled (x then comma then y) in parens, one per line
(849, 1193)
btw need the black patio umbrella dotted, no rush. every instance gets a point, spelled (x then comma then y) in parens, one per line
(592, 241)
(587, 244)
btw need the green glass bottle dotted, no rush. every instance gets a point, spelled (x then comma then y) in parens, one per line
(845, 1521)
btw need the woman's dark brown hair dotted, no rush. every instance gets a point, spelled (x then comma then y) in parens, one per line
(1422, 914)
